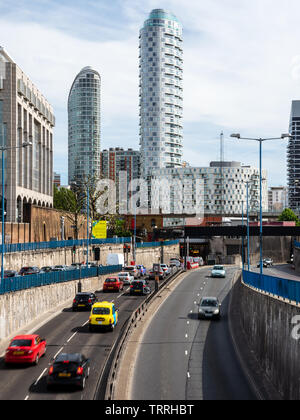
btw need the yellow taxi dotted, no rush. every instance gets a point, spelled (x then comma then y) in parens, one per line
(103, 315)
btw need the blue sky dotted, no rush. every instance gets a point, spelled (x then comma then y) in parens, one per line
(241, 69)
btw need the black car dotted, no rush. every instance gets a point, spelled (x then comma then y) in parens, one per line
(27, 271)
(69, 369)
(84, 300)
(10, 274)
(139, 287)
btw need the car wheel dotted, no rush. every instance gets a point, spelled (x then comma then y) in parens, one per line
(37, 359)
(112, 327)
(91, 328)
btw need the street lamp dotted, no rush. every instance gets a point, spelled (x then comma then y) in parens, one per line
(3, 149)
(261, 140)
(248, 228)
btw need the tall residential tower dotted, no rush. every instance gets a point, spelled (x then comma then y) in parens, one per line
(293, 158)
(84, 126)
(161, 92)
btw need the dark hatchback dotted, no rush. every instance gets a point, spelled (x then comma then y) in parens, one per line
(69, 369)
(139, 287)
(84, 300)
(27, 271)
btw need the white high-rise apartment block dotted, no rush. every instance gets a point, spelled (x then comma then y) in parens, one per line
(161, 92)
(229, 200)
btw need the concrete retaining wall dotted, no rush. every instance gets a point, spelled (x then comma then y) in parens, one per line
(267, 324)
(50, 257)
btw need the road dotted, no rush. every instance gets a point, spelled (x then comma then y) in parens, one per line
(182, 358)
(68, 332)
(279, 270)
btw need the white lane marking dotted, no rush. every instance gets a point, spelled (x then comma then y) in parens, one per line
(83, 325)
(188, 374)
(59, 351)
(41, 375)
(26, 398)
(71, 337)
(186, 353)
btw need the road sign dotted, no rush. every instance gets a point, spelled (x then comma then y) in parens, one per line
(99, 230)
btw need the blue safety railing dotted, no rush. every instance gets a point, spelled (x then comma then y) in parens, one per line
(15, 284)
(280, 287)
(37, 246)
(156, 244)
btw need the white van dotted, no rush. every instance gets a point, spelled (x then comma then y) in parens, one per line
(115, 259)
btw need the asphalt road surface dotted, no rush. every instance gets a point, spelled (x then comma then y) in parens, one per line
(183, 358)
(67, 333)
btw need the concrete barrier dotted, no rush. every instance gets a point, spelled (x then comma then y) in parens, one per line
(271, 329)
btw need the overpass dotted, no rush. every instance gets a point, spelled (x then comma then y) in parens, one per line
(240, 231)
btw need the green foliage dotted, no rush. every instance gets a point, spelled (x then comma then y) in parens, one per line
(289, 216)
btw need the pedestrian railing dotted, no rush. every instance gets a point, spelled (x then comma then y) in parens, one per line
(14, 284)
(279, 287)
(156, 244)
(38, 246)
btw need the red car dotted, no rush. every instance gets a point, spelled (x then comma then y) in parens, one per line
(25, 349)
(113, 284)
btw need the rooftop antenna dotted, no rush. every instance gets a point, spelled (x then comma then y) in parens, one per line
(222, 158)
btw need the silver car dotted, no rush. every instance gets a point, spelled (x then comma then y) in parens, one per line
(218, 271)
(209, 308)
(127, 278)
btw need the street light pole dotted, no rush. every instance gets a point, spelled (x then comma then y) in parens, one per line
(3, 150)
(260, 140)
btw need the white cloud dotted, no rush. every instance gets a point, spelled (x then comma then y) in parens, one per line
(240, 65)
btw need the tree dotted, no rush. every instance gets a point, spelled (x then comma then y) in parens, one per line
(289, 216)
(71, 202)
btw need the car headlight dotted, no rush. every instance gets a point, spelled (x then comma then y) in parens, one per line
(217, 311)
(201, 311)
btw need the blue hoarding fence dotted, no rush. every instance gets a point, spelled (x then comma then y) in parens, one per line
(280, 287)
(15, 284)
(36, 246)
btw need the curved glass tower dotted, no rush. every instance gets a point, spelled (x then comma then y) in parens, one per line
(161, 92)
(84, 126)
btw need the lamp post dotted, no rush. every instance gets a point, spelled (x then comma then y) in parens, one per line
(3, 149)
(248, 229)
(260, 140)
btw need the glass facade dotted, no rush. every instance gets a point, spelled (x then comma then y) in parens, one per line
(84, 126)
(161, 92)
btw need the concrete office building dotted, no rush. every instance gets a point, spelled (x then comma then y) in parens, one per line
(293, 158)
(117, 159)
(277, 199)
(161, 92)
(25, 116)
(84, 126)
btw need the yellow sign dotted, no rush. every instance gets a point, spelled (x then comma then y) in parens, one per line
(99, 230)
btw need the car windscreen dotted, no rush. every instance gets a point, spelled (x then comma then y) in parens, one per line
(138, 284)
(130, 268)
(218, 267)
(209, 302)
(101, 311)
(110, 281)
(21, 343)
(82, 297)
